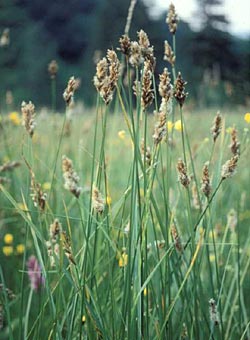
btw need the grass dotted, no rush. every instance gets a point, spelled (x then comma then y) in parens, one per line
(138, 254)
(155, 286)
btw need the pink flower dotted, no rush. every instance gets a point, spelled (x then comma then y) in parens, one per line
(35, 273)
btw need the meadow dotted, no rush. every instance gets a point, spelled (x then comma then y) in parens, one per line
(129, 220)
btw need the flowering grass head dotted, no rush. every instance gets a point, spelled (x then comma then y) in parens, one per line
(70, 177)
(107, 74)
(28, 114)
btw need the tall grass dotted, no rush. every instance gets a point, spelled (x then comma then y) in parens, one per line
(128, 245)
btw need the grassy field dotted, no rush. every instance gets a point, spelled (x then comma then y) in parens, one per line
(130, 275)
(117, 223)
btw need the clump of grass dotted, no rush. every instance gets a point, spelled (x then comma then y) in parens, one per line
(138, 250)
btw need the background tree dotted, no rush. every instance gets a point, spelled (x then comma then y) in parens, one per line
(209, 16)
(214, 54)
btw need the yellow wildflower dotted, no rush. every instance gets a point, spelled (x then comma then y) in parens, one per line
(141, 192)
(46, 186)
(15, 119)
(83, 319)
(244, 215)
(201, 230)
(22, 206)
(123, 260)
(229, 130)
(178, 125)
(170, 125)
(211, 257)
(108, 200)
(247, 117)
(36, 139)
(20, 249)
(211, 234)
(8, 238)
(145, 292)
(7, 250)
(6, 159)
(121, 134)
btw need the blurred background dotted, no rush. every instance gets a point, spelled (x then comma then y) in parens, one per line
(213, 46)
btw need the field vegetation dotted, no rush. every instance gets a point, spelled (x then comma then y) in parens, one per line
(129, 220)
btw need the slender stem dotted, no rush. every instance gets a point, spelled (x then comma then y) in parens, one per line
(26, 322)
(204, 211)
(53, 94)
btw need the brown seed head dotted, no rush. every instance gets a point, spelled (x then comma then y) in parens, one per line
(179, 90)
(235, 144)
(216, 128)
(107, 74)
(8, 291)
(232, 220)
(143, 39)
(5, 38)
(53, 246)
(214, 316)
(114, 67)
(146, 153)
(101, 74)
(172, 19)
(38, 196)
(68, 93)
(176, 239)
(136, 57)
(97, 201)
(67, 247)
(125, 44)
(195, 198)
(137, 88)
(55, 230)
(147, 93)
(205, 182)
(9, 166)
(160, 131)
(71, 178)
(147, 51)
(183, 177)
(28, 115)
(53, 69)
(4, 180)
(169, 54)
(165, 87)
(229, 168)
(9, 97)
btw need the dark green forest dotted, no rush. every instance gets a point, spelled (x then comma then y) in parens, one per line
(77, 32)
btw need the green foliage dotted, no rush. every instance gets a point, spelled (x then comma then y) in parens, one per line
(75, 32)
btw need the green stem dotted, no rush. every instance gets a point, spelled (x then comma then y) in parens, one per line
(53, 95)
(26, 322)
